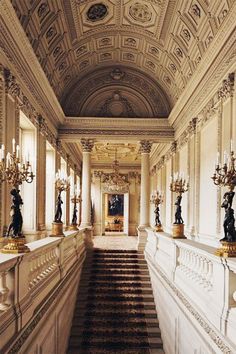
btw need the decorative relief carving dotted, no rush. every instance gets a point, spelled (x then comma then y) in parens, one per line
(105, 42)
(43, 10)
(51, 33)
(227, 87)
(186, 34)
(97, 12)
(12, 87)
(117, 74)
(131, 42)
(117, 106)
(140, 12)
(196, 11)
(87, 145)
(145, 146)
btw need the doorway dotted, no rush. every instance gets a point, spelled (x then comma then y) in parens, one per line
(115, 213)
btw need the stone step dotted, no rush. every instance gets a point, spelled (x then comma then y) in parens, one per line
(109, 314)
(115, 343)
(107, 290)
(115, 266)
(112, 306)
(114, 277)
(118, 261)
(119, 271)
(101, 251)
(116, 285)
(117, 298)
(118, 256)
(117, 323)
(115, 351)
(103, 331)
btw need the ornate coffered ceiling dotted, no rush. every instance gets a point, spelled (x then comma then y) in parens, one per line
(105, 152)
(156, 44)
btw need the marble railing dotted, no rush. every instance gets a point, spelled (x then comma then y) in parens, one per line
(201, 283)
(28, 280)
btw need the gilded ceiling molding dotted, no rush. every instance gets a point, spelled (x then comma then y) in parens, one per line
(87, 145)
(145, 146)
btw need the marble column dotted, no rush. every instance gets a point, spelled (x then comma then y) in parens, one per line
(145, 148)
(87, 146)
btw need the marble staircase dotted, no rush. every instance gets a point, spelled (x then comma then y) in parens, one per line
(115, 310)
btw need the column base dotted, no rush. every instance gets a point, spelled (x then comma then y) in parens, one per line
(15, 246)
(178, 231)
(227, 249)
(57, 230)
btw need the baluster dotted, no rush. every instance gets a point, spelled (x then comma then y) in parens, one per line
(4, 291)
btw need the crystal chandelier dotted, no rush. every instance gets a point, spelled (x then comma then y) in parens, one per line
(115, 182)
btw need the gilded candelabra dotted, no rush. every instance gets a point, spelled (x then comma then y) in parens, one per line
(62, 183)
(225, 176)
(157, 199)
(15, 172)
(76, 199)
(178, 185)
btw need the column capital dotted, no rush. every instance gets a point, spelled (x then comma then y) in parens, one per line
(145, 146)
(87, 145)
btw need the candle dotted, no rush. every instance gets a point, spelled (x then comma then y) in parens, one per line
(17, 150)
(8, 160)
(13, 145)
(217, 158)
(3, 151)
(231, 145)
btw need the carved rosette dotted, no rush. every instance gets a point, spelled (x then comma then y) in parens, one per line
(87, 145)
(145, 146)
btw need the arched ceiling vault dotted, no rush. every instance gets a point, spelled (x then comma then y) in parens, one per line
(161, 39)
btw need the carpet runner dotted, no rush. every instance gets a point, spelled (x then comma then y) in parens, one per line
(115, 310)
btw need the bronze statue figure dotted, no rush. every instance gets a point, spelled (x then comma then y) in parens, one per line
(229, 220)
(74, 217)
(178, 211)
(15, 226)
(58, 213)
(157, 216)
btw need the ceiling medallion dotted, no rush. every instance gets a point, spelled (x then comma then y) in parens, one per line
(97, 12)
(140, 12)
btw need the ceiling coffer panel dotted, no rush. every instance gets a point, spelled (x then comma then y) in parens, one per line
(164, 39)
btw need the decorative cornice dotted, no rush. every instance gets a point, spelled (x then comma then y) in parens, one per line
(87, 145)
(156, 135)
(145, 146)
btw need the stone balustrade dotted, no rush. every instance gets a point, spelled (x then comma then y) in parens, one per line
(201, 292)
(30, 283)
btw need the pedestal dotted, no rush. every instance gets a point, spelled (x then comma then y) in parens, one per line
(15, 246)
(178, 231)
(227, 249)
(73, 227)
(158, 228)
(57, 229)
